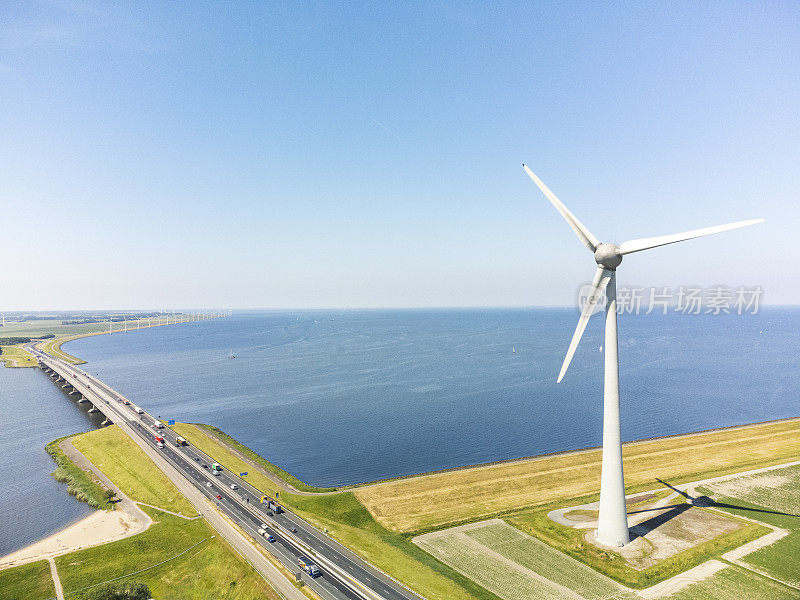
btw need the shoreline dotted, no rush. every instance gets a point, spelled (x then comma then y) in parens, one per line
(327, 489)
(535, 457)
(99, 527)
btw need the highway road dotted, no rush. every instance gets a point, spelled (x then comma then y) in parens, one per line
(344, 576)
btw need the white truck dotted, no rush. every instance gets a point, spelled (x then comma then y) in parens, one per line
(308, 566)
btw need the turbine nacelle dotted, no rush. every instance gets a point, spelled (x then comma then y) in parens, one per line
(608, 256)
(612, 517)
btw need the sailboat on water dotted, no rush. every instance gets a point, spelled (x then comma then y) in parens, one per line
(231, 354)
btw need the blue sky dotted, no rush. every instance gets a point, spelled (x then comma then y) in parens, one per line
(350, 155)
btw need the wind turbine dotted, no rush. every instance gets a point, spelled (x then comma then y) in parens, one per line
(612, 521)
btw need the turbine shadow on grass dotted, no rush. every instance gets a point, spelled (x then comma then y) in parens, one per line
(706, 501)
(668, 513)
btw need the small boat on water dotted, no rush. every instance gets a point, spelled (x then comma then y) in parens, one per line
(231, 355)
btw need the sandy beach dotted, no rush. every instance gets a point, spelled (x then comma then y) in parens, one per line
(98, 528)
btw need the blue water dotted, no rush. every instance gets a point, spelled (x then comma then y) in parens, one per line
(339, 397)
(34, 412)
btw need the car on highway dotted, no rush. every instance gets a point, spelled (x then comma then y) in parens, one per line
(209, 484)
(263, 526)
(234, 486)
(216, 473)
(205, 466)
(160, 445)
(219, 497)
(271, 539)
(293, 529)
(196, 459)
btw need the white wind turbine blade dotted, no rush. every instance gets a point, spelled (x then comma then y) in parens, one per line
(601, 279)
(579, 228)
(663, 240)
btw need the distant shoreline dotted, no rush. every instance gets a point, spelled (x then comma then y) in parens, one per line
(352, 486)
(534, 457)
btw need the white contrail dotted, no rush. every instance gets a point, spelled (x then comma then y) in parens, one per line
(386, 129)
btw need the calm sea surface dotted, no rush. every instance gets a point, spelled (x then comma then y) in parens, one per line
(351, 396)
(34, 412)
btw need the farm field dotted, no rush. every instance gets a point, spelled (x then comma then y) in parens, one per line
(521, 565)
(735, 583)
(427, 502)
(777, 490)
(515, 566)
(518, 566)
(771, 498)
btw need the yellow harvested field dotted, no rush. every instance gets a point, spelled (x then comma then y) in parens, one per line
(433, 501)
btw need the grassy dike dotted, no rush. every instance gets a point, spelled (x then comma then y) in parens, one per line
(27, 582)
(53, 347)
(126, 464)
(177, 558)
(79, 483)
(365, 519)
(16, 356)
(438, 500)
(257, 458)
(348, 521)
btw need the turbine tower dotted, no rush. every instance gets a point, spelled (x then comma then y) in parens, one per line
(612, 521)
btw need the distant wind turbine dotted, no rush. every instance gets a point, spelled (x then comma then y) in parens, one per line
(612, 522)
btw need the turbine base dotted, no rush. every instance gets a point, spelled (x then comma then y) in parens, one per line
(614, 540)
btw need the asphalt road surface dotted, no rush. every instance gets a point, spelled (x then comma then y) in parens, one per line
(343, 574)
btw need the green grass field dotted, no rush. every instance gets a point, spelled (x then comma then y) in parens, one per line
(735, 583)
(463, 548)
(260, 460)
(210, 569)
(348, 521)
(16, 356)
(53, 348)
(198, 565)
(124, 463)
(27, 582)
(82, 485)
